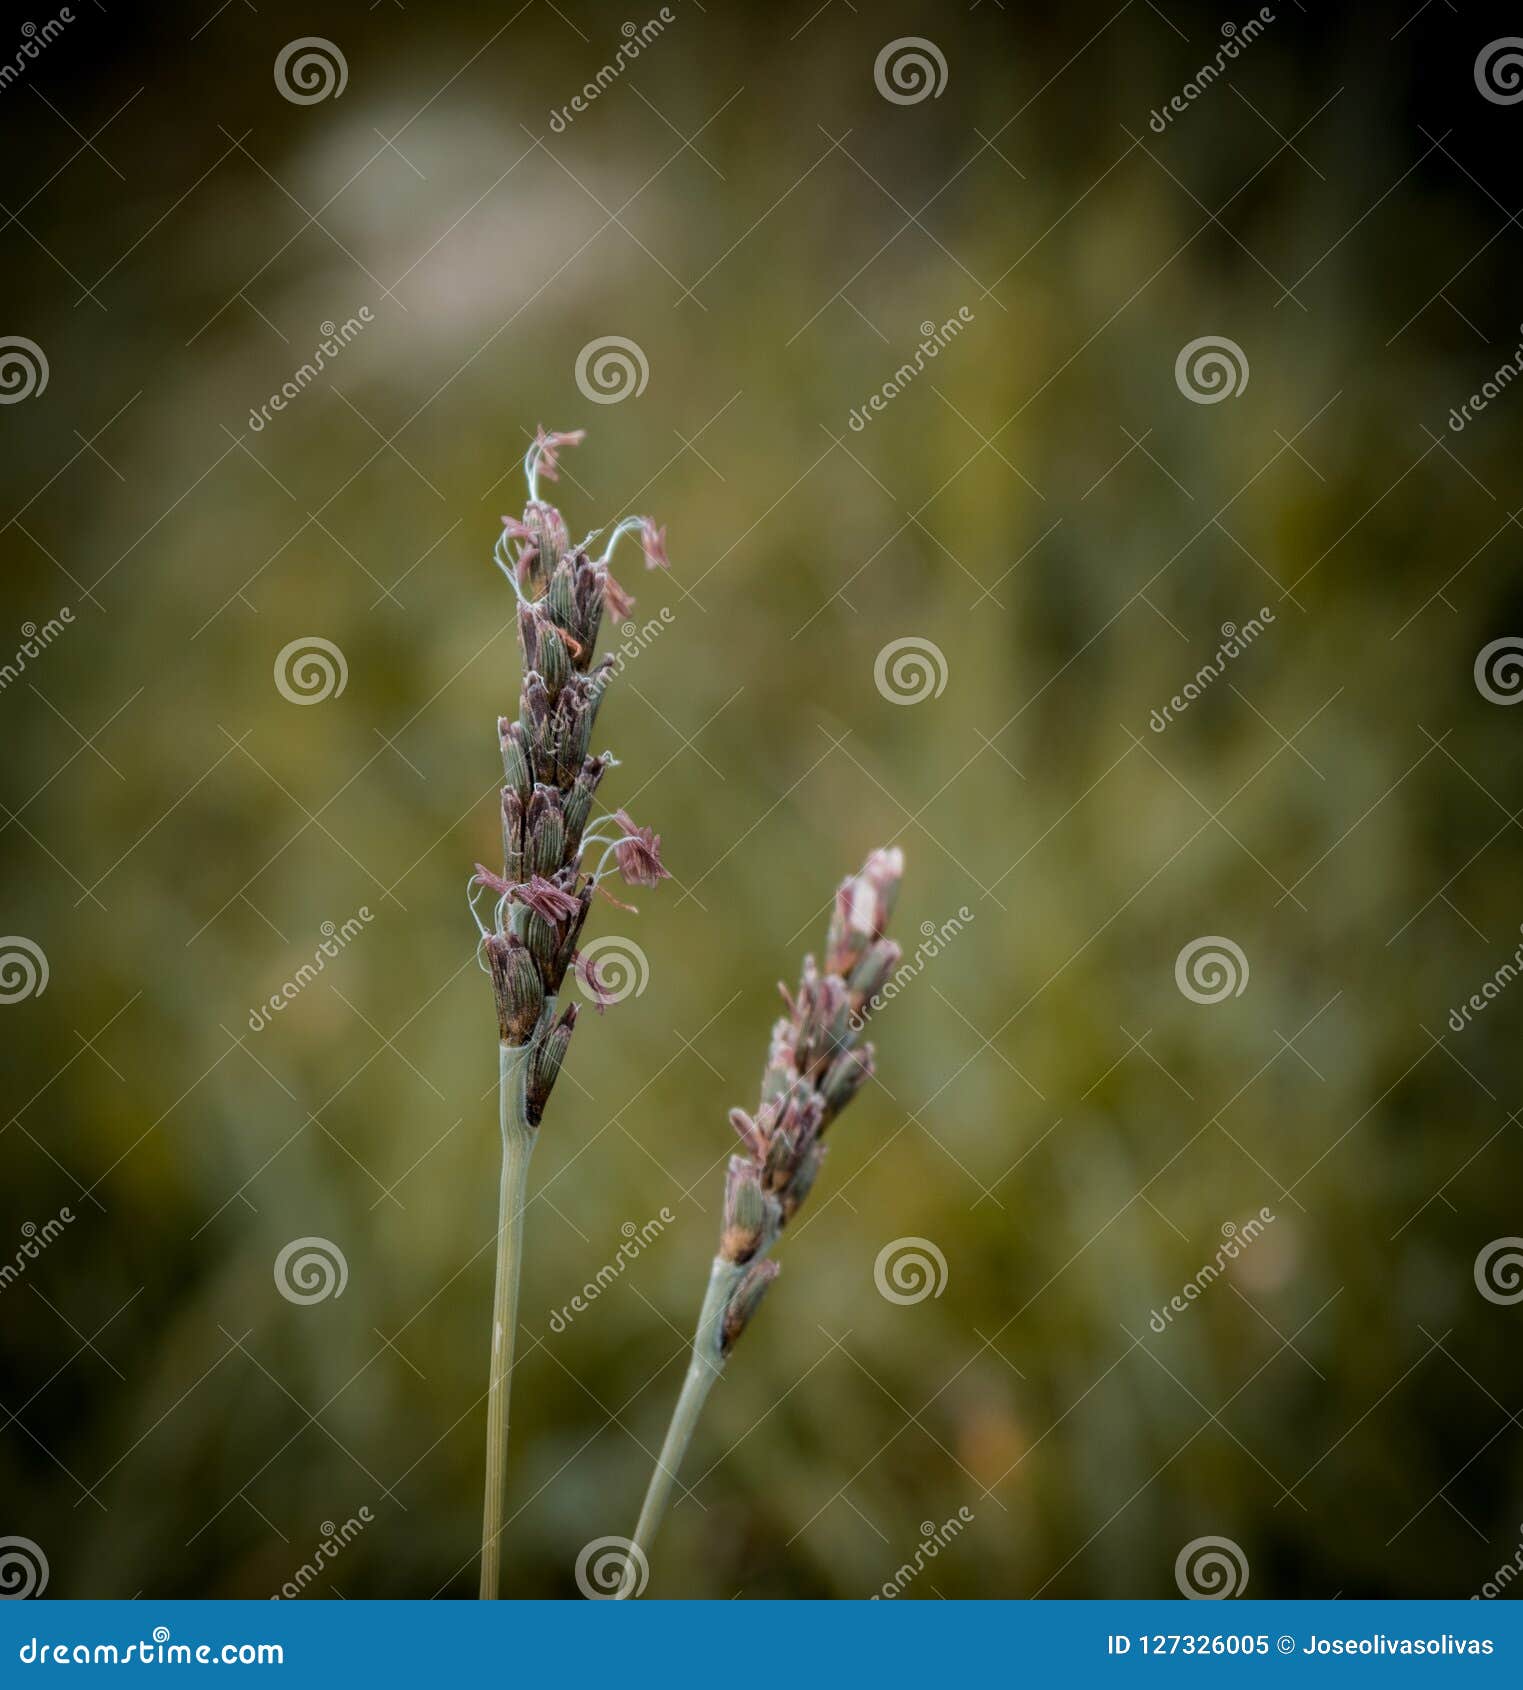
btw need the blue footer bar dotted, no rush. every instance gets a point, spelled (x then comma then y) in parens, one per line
(719, 1643)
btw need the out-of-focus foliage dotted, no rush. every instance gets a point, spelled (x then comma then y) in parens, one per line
(1041, 502)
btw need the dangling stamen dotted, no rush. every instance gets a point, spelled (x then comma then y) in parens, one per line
(508, 567)
(652, 540)
(612, 844)
(544, 455)
(472, 890)
(627, 526)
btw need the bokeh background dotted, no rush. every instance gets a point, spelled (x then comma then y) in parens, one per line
(1045, 505)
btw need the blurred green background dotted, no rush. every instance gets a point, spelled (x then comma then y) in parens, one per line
(1042, 503)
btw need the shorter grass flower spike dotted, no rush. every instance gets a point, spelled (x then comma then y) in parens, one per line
(814, 1067)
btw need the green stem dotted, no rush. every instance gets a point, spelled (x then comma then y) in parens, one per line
(705, 1367)
(517, 1145)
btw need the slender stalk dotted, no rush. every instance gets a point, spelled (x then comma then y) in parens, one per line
(517, 1146)
(705, 1367)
